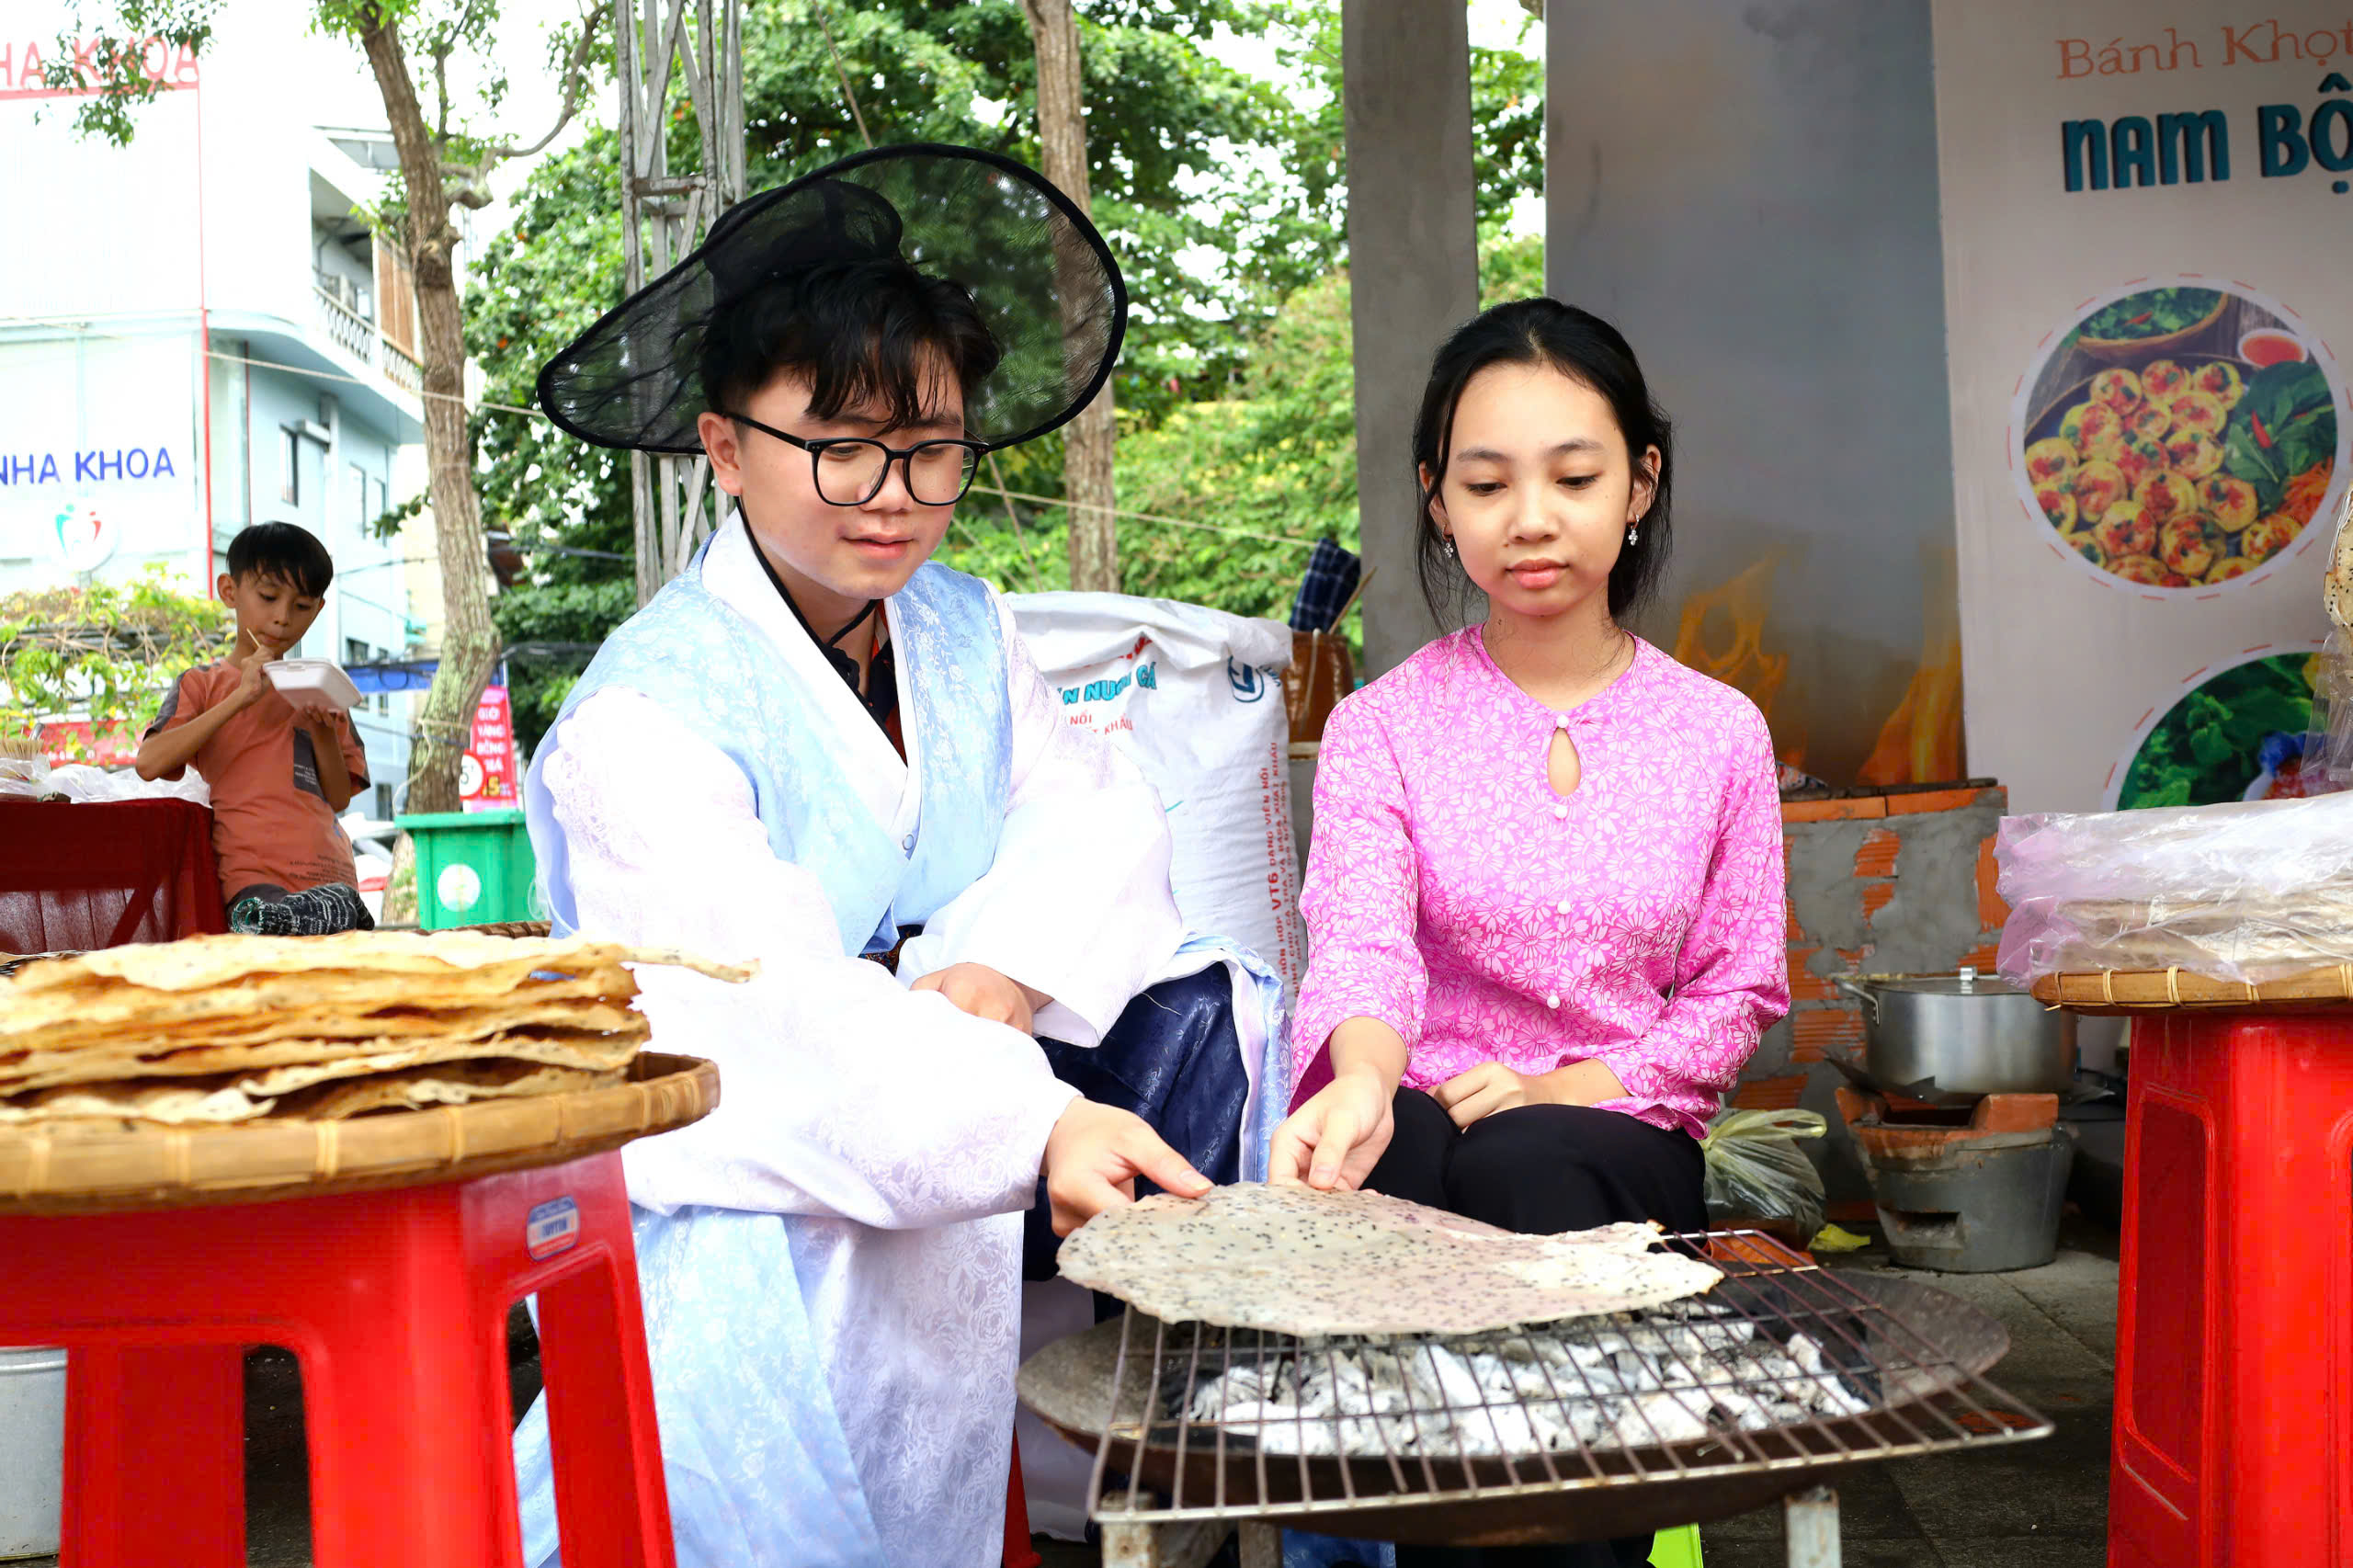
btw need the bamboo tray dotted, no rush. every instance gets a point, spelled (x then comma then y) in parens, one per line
(2114, 992)
(170, 1167)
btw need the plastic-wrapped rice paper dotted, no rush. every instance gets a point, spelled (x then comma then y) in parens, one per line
(2247, 891)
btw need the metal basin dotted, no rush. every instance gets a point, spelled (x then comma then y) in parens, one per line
(1951, 1039)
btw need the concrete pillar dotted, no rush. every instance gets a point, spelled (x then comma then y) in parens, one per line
(1414, 269)
(331, 511)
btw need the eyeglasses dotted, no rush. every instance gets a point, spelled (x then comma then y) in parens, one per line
(851, 470)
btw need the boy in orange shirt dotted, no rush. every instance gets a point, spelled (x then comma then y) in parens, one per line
(278, 775)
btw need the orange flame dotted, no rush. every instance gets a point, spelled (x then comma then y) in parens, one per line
(1742, 664)
(1921, 743)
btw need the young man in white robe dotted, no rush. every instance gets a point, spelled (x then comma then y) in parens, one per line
(814, 750)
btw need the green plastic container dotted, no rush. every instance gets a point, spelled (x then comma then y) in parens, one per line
(472, 868)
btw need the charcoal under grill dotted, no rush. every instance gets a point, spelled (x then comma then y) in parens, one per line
(1195, 1430)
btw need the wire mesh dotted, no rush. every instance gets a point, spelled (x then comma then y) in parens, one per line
(1782, 1367)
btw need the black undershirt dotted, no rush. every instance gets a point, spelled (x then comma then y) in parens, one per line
(880, 695)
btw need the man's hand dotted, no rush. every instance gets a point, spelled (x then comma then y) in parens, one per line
(981, 992)
(1337, 1137)
(1094, 1155)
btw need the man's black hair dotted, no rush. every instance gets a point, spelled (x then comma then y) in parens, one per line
(283, 550)
(857, 332)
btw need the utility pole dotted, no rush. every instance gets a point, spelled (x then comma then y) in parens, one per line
(698, 44)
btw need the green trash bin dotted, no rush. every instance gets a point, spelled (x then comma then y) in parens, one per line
(472, 868)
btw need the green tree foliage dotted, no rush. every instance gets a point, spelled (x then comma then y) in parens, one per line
(1224, 196)
(106, 46)
(1258, 477)
(1167, 119)
(107, 653)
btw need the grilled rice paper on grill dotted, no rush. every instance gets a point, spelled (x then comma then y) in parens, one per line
(1293, 1260)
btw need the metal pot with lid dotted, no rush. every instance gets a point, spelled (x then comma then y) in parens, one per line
(1951, 1039)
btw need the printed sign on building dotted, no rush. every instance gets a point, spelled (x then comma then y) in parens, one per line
(98, 454)
(488, 778)
(2139, 215)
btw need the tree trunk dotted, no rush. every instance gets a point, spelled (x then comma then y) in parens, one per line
(400, 886)
(1087, 440)
(470, 640)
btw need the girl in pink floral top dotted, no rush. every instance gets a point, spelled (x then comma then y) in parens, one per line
(1545, 899)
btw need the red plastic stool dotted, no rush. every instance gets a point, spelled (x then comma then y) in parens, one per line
(1019, 1552)
(2234, 1369)
(396, 1304)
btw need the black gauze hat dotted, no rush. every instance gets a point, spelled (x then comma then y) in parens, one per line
(1040, 275)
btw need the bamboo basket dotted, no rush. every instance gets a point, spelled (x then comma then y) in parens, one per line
(150, 1166)
(2118, 992)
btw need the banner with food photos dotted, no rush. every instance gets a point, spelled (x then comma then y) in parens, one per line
(2145, 209)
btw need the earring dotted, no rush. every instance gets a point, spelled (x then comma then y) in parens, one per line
(1634, 531)
(1449, 547)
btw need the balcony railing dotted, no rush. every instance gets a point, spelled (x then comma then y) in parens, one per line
(358, 337)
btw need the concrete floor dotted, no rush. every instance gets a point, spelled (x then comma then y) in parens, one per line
(2041, 1504)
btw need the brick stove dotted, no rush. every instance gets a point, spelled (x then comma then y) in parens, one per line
(1897, 883)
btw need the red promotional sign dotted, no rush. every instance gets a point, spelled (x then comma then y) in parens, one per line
(487, 776)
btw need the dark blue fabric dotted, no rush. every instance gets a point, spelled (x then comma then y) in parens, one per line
(1331, 578)
(1174, 1058)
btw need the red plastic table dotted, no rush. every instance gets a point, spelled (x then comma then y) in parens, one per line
(75, 877)
(395, 1303)
(2234, 1436)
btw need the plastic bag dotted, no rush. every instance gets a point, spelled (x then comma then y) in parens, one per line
(2249, 891)
(79, 781)
(2332, 692)
(2330, 746)
(1194, 697)
(1756, 1171)
(24, 775)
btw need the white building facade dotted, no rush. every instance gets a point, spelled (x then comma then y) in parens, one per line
(200, 334)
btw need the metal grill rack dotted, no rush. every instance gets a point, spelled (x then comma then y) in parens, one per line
(1898, 1374)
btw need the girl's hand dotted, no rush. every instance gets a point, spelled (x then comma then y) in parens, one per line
(1337, 1137)
(1491, 1087)
(1485, 1089)
(981, 992)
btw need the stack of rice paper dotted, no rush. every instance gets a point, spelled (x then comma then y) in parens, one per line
(230, 1031)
